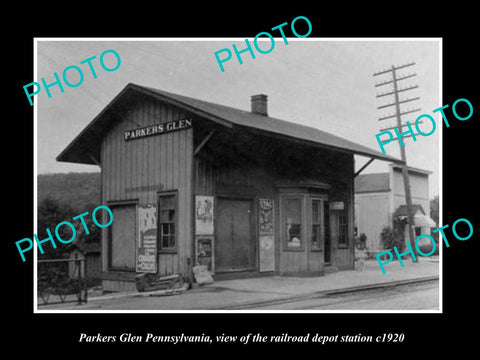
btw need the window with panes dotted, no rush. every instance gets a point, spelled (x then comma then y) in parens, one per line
(318, 231)
(167, 208)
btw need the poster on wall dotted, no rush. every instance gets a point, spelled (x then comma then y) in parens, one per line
(266, 235)
(204, 215)
(146, 259)
(205, 252)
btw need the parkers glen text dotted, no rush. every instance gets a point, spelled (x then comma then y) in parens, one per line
(158, 129)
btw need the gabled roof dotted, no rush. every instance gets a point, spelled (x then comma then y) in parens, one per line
(366, 183)
(85, 148)
(402, 210)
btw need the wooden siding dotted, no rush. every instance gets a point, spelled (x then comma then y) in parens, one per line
(229, 179)
(138, 169)
(343, 257)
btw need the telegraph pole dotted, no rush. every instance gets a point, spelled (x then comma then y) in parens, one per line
(398, 115)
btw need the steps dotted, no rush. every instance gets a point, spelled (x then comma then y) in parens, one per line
(330, 269)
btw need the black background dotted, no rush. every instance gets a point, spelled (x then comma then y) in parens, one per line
(424, 333)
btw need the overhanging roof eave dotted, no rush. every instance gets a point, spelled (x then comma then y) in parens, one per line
(369, 154)
(381, 157)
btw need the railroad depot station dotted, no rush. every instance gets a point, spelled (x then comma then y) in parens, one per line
(192, 182)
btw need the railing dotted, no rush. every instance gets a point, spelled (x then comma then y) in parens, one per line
(61, 281)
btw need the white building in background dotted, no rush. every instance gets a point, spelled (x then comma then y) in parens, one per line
(381, 196)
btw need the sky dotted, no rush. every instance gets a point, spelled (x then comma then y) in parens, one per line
(324, 83)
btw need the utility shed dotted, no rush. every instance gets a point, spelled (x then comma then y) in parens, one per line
(90, 254)
(192, 182)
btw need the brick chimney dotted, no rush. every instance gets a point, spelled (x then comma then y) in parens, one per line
(259, 104)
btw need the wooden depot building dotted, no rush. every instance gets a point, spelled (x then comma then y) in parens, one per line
(192, 182)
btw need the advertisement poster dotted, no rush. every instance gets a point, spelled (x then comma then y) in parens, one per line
(146, 260)
(204, 215)
(205, 252)
(266, 235)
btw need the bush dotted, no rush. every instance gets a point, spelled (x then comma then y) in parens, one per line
(361, 241)
(363, 238)
(426, 247)
(394, 236)
(50, 213)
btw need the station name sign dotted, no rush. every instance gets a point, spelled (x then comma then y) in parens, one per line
(158, 129)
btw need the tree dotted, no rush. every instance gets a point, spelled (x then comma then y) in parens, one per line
(50, 213)
(434, 214)
(434, 209)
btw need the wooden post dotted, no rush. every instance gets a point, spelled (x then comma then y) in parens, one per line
(406, 180)
(397, 115)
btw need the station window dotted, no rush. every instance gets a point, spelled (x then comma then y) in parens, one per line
(342, 228)
(167, 205)
(293, 223)
(317, 224)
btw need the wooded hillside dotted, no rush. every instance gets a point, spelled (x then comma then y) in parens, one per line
(81, 191)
